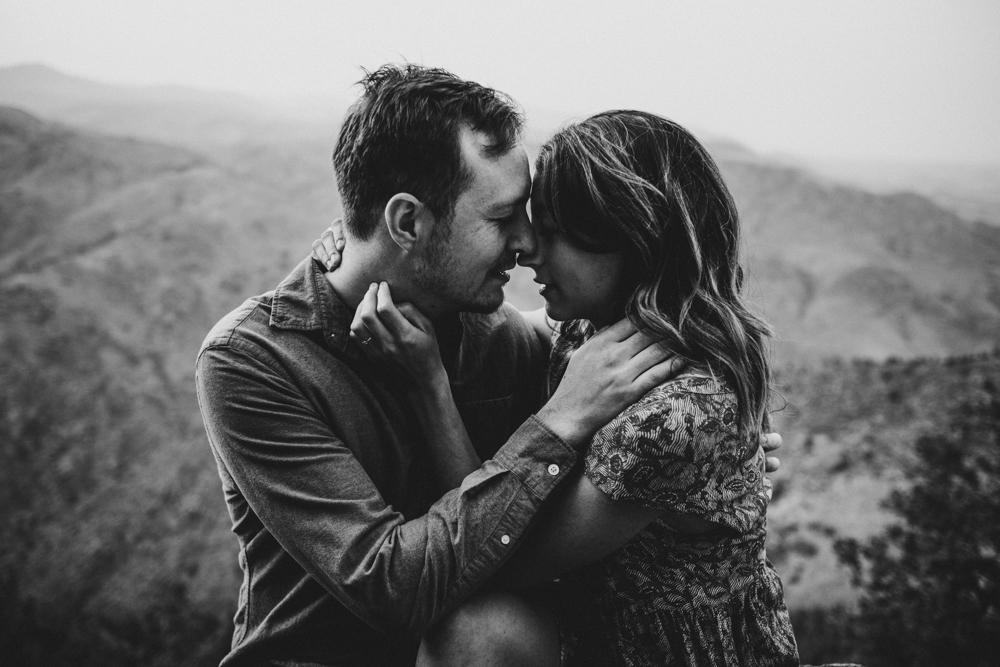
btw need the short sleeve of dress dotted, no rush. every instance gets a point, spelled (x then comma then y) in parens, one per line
(679, 449)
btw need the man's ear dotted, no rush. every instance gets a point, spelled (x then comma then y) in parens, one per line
(407, 219)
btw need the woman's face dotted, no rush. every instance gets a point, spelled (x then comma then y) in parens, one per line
(576, 284)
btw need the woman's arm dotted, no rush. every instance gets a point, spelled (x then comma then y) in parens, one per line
(404, 338)
(578, 525)
(452, 454)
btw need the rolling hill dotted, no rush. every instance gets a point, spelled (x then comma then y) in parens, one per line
(117, 255)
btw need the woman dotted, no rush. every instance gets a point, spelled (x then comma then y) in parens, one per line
(659, 543)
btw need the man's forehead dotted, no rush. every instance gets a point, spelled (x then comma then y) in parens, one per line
(499, 181)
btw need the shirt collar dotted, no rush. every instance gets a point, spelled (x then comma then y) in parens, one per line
(305, 301)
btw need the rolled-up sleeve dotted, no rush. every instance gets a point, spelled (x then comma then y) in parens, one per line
(311, 493)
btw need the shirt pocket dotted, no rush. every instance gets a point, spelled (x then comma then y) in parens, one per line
(488, 423)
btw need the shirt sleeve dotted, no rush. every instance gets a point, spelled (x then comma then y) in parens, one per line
(681, 452)
(313, 495)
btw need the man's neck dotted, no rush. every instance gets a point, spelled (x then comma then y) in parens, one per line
(448, 330)
(360, 267)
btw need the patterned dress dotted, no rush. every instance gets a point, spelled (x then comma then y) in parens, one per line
(670, 597)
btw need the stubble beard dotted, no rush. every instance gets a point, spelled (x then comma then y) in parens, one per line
(438, 276)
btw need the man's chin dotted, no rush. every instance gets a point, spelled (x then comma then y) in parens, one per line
(484, 303)
(483, 308)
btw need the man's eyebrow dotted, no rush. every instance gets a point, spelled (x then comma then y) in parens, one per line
(502, 207)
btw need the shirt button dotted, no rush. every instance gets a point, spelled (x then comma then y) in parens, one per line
(505, 539)
(553, 469)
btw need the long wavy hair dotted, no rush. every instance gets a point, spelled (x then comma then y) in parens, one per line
(633, 182)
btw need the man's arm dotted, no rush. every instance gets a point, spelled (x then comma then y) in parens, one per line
(580, 525)
(310, 491)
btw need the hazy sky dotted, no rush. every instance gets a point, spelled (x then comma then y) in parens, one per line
(903, 79)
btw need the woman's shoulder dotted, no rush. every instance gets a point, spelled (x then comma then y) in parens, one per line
(694, 411)
(692, 393)
(691, 382)
(680, 448)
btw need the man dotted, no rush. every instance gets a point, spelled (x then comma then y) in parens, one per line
(348, 555)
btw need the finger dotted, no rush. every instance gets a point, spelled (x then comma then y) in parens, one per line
(332, 246)
(770, 441)
(360, 336)
(619, 331)
(653, 355)
(369, 315)
(359, 328)
(388, 314)
(659, 373)
(641, 340)
(329, 241)
(771, 464)
(337, 228)
(415, 317)
(319, 252)
(621, 339)
(646, 359)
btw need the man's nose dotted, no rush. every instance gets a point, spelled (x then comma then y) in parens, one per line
(522, 239)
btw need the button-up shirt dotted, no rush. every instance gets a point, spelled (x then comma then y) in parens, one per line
(347, 553)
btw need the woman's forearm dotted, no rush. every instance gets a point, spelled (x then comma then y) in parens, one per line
(451, 451)
(578, 525)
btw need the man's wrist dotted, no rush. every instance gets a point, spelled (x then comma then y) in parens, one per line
(569, 430)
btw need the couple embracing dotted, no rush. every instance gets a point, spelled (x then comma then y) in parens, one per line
(419, 474)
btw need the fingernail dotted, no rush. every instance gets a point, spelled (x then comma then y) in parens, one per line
(339, 244)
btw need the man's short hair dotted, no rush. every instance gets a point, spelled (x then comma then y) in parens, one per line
(402, 135)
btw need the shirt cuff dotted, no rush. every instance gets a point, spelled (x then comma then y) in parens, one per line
(537, 457)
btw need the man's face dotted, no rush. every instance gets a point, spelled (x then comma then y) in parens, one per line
(465, 264)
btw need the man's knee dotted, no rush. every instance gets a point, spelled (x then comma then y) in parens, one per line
(496, 628)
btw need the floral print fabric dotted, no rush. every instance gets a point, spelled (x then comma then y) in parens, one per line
(671, 597)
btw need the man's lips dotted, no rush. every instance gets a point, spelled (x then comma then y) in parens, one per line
(501, 272)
